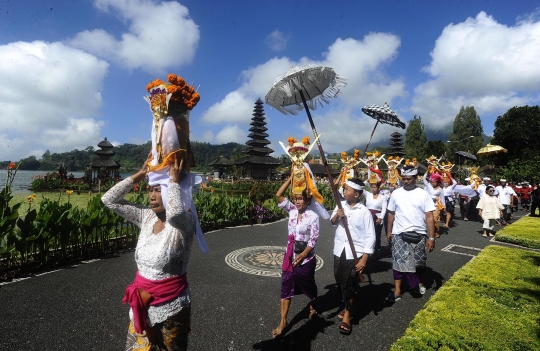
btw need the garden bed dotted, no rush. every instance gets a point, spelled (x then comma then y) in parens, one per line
(524, 232)
(492, 303)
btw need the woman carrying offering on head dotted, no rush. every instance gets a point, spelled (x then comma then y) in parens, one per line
(299, 261)
(435, 190)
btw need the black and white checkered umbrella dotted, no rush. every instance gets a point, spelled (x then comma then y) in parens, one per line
(467, 155)
(383, 114)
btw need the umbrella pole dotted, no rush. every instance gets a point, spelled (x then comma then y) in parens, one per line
(331, 181)
(369, 142)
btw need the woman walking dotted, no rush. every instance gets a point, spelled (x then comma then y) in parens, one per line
(434, 189)
(160, 297)
(376, 204)
(490, 209)
(298, 268)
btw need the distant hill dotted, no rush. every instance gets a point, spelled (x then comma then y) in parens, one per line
(130, 156)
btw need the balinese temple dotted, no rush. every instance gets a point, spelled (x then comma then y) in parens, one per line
(103, 167)
(221, 166)
(396, 145)
(258, 164)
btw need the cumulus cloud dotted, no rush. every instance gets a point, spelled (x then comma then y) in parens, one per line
(342, 129)
(361, 61)
(482, 63)
(231, 133)
(277, 41)
(50, 96)
(160, 35)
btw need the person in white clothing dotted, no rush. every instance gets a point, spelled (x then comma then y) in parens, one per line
(482, 187)
(376, 204)
(435, 191)
(362, 230)
(490, 209)
(411, 230)
(506, 197)
(448, 192)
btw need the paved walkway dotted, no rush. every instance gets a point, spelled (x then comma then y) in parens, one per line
(79, 308)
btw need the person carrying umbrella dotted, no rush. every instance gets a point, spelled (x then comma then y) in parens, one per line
(362, 232)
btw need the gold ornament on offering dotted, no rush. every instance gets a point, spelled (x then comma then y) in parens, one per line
(170, 104)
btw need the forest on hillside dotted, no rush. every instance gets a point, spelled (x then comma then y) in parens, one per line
(130, 156)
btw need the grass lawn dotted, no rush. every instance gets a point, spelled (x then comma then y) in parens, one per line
(77, 200)
(492, 303)
(524, 232)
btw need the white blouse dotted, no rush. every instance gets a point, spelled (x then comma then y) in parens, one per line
(377, 204)
(162, 255)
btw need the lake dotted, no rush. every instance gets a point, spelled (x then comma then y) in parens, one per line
(23, 179)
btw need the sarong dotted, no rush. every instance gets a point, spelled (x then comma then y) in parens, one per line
(300, 281)
(489, 224)
(406, 256)
(170, 335)
(346, 277)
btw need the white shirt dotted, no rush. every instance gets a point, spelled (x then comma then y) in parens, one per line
(434, 193)
(449, 190)
(361, 228)
(504, 194)
(378, 204)
(410, 207)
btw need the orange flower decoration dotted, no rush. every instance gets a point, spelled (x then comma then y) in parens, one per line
(181, 91)
(356, 154)
(306, 141)
(11, 165)
(291, 141)
(344, 156)
(407, 161)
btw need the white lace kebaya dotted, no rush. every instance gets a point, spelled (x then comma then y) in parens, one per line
(162, 255)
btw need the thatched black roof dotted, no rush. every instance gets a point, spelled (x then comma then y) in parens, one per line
(257, 160)
(222, 161)
(105, 144)
(109, 164)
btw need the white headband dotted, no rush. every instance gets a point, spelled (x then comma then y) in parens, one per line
(409, 172)
(503, 180)
(354, 185)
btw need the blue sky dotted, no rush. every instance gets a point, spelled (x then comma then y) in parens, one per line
(74, 72)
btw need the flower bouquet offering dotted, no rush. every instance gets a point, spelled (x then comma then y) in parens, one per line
(170, 104)
(393, 174)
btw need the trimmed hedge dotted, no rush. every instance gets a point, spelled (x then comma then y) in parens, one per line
(492, 303)
(524, 232)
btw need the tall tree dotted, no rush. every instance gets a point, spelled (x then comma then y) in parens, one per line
(516, 131)
(466, 124)
(436, 147)
(416, 140)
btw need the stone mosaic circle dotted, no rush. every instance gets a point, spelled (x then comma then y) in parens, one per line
(261, 260)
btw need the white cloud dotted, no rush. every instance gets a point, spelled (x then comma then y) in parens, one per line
(50, 95)
(160, 35)
(342, 129)
(362, 62)
(277, 41)
(480, 63)
(231, 133)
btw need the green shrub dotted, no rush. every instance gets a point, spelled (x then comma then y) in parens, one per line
(524, 232)
(492, 303)
(263, 190)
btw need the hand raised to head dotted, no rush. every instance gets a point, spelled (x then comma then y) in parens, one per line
(176, 172)
(146, 163)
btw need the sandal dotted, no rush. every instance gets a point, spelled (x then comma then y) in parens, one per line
(312, 313)
(345, 328)
(393, 297)
(341, 315)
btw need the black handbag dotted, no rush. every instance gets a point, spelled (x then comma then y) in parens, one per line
(299, 246)
(411, 237)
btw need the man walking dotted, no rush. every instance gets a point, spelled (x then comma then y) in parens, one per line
(506, 196)
(411, 230)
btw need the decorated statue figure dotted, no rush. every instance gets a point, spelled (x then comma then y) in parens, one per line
(372, 162)
(393, 173)
(446, 170)
(474, 178)
(433, 164)
(302, 176)
(170, 104)
(349, 165)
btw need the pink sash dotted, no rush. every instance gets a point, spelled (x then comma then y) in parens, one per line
(161, 290)
(287, 259)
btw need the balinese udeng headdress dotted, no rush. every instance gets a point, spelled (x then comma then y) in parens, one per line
(349, 163)
(302, 175)
(410, 171)
(170, 104)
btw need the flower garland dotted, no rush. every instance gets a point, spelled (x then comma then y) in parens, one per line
(181, 91)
